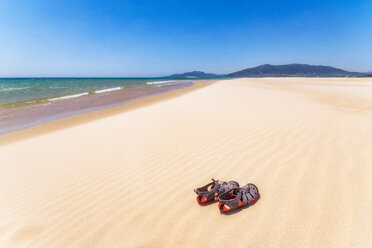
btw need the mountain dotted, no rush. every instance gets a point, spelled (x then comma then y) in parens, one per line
(293, 70)
(194, 74)
(290, 70)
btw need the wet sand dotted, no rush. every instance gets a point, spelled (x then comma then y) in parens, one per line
(126, 179)
(16, 118)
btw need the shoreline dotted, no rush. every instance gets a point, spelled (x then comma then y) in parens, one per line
(21, 117)
(98, 112)
(70, 95)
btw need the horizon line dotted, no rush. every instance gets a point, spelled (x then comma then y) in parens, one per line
(146, 77)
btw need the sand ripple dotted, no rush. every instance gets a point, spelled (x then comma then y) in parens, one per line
(127, 180)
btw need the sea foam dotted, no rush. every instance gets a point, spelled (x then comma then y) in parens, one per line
(11, 89)
(108, 90)
(161, 82)
(69, 96)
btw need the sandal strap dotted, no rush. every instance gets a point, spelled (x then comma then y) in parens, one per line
(218, 187)
(208, 194)
(232, 203)
(249, 192)
(246, 194)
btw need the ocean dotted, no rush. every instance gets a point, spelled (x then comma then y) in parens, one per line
(24, 90)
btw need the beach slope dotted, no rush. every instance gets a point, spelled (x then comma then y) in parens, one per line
(127, 180)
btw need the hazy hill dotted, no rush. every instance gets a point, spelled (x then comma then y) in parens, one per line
(293, 70)
(290, 70)
(194, 74)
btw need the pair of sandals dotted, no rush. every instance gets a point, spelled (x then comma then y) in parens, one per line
(229, 195)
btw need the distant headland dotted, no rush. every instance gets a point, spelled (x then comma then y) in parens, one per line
(267, 70)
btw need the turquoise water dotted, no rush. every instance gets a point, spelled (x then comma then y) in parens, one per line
(14, 90)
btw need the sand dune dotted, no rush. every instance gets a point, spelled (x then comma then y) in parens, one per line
(126, 180)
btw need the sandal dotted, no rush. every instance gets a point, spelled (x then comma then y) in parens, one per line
(238, 197)
(211, 191)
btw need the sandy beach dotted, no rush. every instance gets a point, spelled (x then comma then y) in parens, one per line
(124, 177)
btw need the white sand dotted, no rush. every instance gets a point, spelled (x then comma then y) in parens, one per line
(127, 180)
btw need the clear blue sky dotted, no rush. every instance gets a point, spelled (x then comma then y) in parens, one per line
(159, 37)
